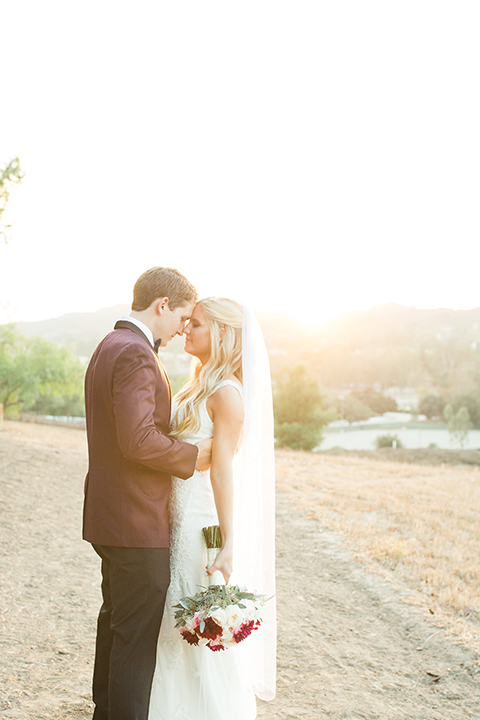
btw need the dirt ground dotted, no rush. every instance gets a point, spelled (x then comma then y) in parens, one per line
(350, 646)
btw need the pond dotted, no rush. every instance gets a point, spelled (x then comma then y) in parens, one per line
(416, 437)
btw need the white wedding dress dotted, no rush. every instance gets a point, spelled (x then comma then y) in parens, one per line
(195, 683)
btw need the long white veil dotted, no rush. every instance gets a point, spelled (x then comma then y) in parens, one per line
(254, 503)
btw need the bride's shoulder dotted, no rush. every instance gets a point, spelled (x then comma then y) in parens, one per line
(226, 398)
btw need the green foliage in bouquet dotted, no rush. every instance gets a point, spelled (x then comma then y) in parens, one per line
(219, 616)
(212, 598)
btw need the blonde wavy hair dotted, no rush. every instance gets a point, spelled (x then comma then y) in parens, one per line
(224, 318)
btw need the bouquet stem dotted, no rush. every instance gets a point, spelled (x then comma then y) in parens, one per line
(212, 536)
(213, 541)
(217, 577)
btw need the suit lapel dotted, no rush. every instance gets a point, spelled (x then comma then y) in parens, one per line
(125, 325)
(164, 373)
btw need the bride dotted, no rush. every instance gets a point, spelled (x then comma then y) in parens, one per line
(228, 397)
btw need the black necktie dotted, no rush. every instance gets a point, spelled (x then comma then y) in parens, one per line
(157, 345)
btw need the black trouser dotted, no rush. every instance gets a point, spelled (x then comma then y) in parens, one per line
(134, 585)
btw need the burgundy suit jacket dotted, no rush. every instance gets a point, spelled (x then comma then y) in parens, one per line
(131, 457)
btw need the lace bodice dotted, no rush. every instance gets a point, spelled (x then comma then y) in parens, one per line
(206, 425)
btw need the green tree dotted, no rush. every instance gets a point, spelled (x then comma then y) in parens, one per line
(432, 406)
(384, 441)
(351, 409)
(35, 368)
(471, 401)
(10, 176)
(458, 423)
(71, 405)
(299, 409)
(379, 402)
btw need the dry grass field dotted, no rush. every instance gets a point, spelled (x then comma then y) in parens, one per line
(416, 523)
(377, 585)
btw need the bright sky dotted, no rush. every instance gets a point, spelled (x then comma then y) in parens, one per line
(304, 157)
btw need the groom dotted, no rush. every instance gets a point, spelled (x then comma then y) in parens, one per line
(131, 460)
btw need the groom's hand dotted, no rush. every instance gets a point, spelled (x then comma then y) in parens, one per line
(204, 457)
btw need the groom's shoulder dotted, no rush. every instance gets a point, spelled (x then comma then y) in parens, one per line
(122, 337)
(119, 342)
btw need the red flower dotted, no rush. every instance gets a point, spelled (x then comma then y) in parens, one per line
(212, 630)
(244, 631)
(215, 645)
(191, 638)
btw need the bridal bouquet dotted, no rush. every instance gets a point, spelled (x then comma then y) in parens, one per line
(221, 616)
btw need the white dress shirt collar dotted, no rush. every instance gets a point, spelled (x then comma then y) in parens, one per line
(146, 330)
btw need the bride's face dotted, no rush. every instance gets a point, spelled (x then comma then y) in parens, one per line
(197, 336)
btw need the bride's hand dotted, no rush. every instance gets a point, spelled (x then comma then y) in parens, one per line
(224, 563)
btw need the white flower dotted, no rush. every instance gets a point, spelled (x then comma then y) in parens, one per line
(219, 615)
(235, 616)
(229, 643)
(227, 636)
(250, 609)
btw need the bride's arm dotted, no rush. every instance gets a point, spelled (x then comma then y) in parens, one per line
(226, 410)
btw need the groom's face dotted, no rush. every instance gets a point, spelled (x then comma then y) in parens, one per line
(173, 322)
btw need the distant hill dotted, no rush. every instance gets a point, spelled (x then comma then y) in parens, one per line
(80, 331)
(397, 346)
(380, 326)
(394, 325)
(83, 331)
(389, 345)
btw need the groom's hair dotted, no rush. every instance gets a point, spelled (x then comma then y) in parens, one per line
(160, 282)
